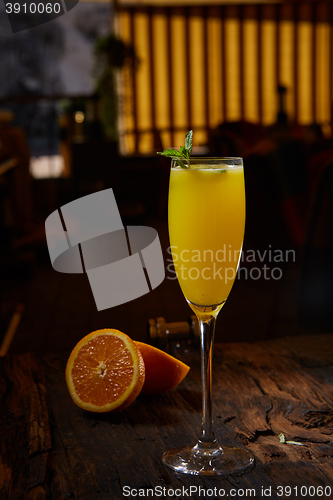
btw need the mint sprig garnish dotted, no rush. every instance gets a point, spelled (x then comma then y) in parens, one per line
(183, 154)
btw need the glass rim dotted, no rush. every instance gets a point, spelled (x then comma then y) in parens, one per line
(228, 161)
(213, 158)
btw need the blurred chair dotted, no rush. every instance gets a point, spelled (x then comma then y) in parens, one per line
(276, 187)
(14, 151)
(233, 138)
(316, 283)
(7, 163)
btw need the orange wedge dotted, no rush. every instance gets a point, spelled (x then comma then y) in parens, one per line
(163, 372)
(105, 371)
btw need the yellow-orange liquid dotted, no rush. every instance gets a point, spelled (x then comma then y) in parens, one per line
(206, 229)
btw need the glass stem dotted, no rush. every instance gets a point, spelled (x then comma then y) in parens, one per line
(207, 439)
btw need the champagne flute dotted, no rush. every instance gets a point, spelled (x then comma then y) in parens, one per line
(206, 229)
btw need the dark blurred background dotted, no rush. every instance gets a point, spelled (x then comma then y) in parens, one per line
(86, 100)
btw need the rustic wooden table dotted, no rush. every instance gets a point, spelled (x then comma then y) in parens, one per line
(51, 449)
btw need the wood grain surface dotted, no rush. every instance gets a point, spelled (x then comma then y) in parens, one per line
(51, 449)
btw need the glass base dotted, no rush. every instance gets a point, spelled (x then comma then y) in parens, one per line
(220, 461)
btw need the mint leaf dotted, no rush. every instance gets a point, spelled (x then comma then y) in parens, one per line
(174, 157)
(221, 171)
(183, 154)
(170, 152)
(188, 141)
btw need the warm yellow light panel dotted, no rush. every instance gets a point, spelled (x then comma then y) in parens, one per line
(161, 71)
(269, 89)
(232, 70)
(250, 70)
(286, 63)
(143, 81)
(304, 63)
(197, 71)
(129, 144)
(179, 76)
(126, 116)
(214, 71)
(323, 103)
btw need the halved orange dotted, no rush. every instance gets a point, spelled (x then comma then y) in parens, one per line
(163, 372)
(105, 371)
